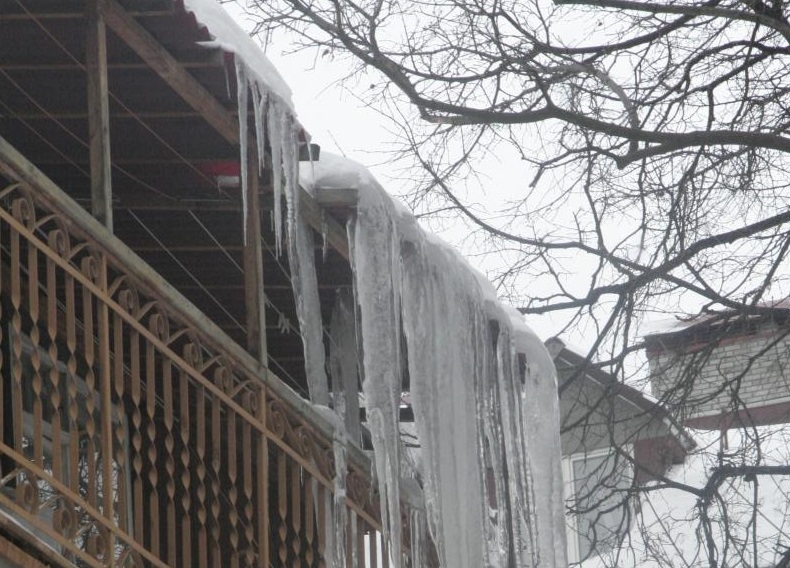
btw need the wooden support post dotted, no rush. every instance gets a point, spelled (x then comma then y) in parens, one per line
(262, 486)
(98, 116)
(253, 265)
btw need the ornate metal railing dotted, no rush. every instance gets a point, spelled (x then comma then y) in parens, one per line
(134, 432)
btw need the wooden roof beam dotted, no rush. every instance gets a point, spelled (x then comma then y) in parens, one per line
(321, 221)
(222, 120)
(98, 115)
(210, 63)
(170, 70)
(34, 16)
(340, 197)
(144, 115)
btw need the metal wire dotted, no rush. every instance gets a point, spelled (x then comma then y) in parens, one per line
(115, 98)
(185, 269)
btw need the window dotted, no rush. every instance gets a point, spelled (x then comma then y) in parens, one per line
(595, 493)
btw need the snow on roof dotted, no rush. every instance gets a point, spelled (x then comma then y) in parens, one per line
(678, 323)
(337, 172)
(560, 343)
(230, 37)
(411, 282)
(668, 325)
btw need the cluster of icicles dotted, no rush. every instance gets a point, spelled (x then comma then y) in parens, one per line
(482, 385)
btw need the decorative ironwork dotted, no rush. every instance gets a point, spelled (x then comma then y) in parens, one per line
(136, 438)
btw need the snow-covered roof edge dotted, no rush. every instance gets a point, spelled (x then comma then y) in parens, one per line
(260, 86)
(332, 171)
(230, 37)
(678, 324)
(411, 282)
(559, 349)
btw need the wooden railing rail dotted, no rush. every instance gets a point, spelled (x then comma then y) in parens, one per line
(17, 167)
(139, 433)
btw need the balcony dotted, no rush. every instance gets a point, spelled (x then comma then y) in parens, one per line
(151, 383)
(136, 433)
(157, 346)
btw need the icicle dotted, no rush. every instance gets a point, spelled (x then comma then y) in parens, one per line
(353, 539)
(301, 258)
(377, 284)
(340, 520)
(227, 79)
(474, 417)
(492, 416)
(443, 369)
(324, 236)
(540, 419)
(329, 536)
(521, 499)
(290, 157)
(242, 93)
(419, 556)
(386, 447)
(274, 121)
(343, 363)
(260, 99)
(310, 155)
(282, 323)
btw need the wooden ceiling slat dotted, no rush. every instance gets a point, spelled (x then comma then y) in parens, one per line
(161, 61)
(56, 81)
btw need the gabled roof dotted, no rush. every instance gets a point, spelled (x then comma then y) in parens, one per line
(777, 310)
(589, 371)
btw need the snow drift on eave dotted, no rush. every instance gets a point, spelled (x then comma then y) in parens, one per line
(482, 384)
(230, 37)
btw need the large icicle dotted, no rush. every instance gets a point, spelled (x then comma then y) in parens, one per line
(482, 385)
(301, 258)
(242, 88)
(282, 136)
(259, 101)
(274, 122)
(375, 267)
(443, 366)
(283, 142)
(335, 509)
(538, 399)
(343, 363)
(340, 513)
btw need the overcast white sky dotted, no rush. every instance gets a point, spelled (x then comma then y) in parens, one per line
(340, 123)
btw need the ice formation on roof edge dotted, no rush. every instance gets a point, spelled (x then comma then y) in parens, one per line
(230, 37)
(482, 384)
(257, 76)
(282, 130)
(282, 135)
(473, 371)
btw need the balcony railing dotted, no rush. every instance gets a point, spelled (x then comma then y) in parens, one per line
(134, 432)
